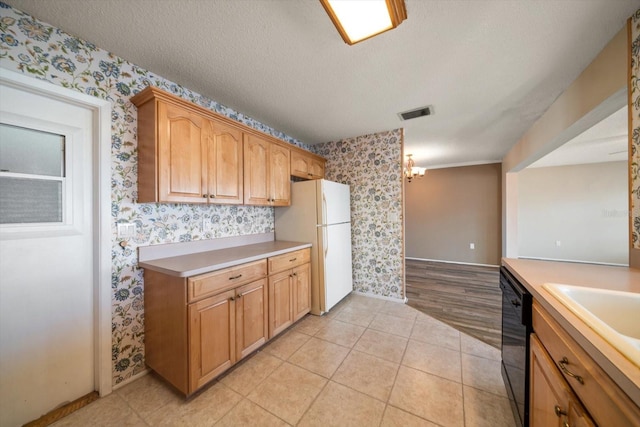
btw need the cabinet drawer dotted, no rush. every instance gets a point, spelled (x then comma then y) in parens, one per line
(605, 401)
(210, 283)
(289, 260)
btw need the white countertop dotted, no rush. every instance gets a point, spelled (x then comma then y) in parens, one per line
(533, 274)
(204, 262)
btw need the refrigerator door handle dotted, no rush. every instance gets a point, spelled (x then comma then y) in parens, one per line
(324, 220)
(326, 241)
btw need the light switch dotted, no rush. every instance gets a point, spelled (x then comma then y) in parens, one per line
(472, 245)
(126, 230)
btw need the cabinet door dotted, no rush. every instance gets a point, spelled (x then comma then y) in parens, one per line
(251, 317)
(223, 181)
(280, 175)
(301, 291)
(256, 171)
(316, 169)
(552, 403)
(211, 338)
(280, 304)
(181, 136)
(300, 165)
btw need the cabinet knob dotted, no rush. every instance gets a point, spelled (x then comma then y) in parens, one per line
(212, 196)
(204, 196)
(559, 412)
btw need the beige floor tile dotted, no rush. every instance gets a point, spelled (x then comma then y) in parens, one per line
(392, 325)
(483, 409)
(321, 357)
(288, 392)
(394, 417)
(367, 374)
(286, 344)
(381, 344)
(310, 324)
(341, 333)
(399, 309)
(247, 413)
(356, 316)
(249, 374)
(428, 396)
(471, 345)
(148, 394)
(438, 333)
(110, 410)
(204, 409)
(482, 373)
(338, 405)
(433, 359)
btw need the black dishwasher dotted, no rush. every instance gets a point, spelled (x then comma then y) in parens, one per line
(516, 327)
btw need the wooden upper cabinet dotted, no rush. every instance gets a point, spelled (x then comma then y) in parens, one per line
(181, 135)
(223, 181)
(266, 173)
(188, 154)
(306, 165)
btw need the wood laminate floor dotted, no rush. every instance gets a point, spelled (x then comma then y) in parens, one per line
(466, 297)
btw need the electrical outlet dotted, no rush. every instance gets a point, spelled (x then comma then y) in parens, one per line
(472, 245)
(558, 243)
(126, 230)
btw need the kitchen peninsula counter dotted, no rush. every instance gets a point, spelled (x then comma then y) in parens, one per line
(533, 274)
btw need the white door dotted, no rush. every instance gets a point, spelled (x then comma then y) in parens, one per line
(46, 255)
(336, 250)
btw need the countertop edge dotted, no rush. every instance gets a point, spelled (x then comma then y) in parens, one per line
(621, 370)
(159, 265)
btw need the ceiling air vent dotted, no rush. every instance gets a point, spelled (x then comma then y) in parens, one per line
(417, 112)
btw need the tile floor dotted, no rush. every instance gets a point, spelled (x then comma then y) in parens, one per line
(369, 362)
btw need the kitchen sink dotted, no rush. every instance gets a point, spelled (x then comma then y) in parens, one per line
(614, 315)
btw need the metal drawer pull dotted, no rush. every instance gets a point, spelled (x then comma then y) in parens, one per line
(291, 260)
(559, 411)
(235, 277)
(563, 367)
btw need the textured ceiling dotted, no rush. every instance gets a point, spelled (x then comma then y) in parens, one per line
(490, 68)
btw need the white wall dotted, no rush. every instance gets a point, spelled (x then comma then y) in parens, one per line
(585, 207)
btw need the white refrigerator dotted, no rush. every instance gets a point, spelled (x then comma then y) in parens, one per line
(320, 213)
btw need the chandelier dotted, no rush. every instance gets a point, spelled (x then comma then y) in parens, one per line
(411, 170)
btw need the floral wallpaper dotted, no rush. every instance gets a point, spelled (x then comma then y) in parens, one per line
(34, 48)
(634, 163)
(372, 166)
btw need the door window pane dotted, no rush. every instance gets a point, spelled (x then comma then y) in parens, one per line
(24, 201)
(30, 151)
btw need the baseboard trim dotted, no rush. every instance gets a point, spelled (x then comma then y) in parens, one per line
(574, 261)
(452, 262)
(61, 412)
(131, 379)
(392, 299)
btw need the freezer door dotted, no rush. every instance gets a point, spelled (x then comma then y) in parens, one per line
(335, 255)
(334, 203)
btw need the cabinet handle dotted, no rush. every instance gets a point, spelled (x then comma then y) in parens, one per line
(212, 196)
(293, 259)
(232, 299)
(295, 274)
(235, 277)
(204, 196)
(559, 411)
(563, 367)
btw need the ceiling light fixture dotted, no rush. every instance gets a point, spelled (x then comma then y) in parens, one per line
(358, 20)
(412, 171)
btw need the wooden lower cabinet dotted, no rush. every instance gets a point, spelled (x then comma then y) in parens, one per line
(289, 289)
(211, 338)
(563, 374)
(198, 327)
(553, 404)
